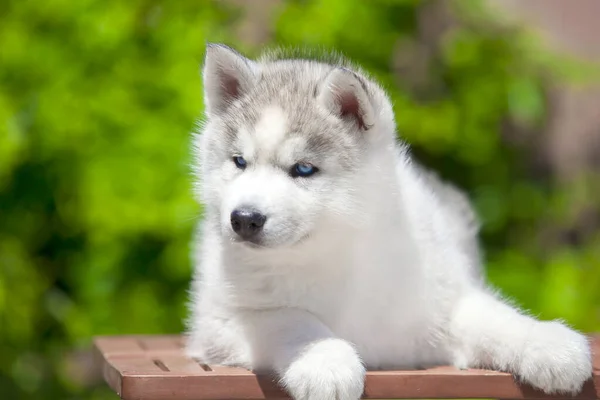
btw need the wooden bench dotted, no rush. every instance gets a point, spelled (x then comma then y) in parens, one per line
(155, 368)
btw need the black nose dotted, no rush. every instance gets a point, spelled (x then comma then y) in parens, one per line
(247, 222)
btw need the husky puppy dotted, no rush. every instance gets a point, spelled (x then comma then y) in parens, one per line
(325, 250)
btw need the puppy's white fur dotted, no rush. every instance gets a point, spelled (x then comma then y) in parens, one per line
(370, 263)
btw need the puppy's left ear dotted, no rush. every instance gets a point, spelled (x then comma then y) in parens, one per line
(344, 94)
(227, 75)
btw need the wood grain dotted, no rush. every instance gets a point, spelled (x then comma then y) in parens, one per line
(155, 368)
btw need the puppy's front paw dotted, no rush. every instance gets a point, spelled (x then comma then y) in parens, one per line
(327, 370)
(556, 359)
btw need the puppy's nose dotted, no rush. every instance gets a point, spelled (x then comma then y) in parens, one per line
(247, 222)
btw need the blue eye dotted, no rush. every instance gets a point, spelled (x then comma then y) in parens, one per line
(239, 162)
(303, 170)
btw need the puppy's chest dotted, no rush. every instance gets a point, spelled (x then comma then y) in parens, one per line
(269, 290)
(345, 302)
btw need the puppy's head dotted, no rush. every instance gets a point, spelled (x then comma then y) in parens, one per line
(283, 145)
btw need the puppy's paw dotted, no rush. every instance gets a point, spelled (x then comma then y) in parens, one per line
(556, 359)
(327, 370)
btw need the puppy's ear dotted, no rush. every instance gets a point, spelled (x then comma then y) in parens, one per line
(344, 94)
(227, 75)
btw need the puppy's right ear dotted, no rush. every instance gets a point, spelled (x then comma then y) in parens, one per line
(227, 75)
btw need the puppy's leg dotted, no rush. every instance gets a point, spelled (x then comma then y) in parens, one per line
(311, 362)
(548, 355)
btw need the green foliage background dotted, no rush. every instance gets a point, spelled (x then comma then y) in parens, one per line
(97, 99)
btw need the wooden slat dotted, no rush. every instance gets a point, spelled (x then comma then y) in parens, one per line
(468, 384)
(118, 345)
(180, 363)
(155, 368)
(160, 344)
(138, 366)
(204, 387)
(229, 371)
